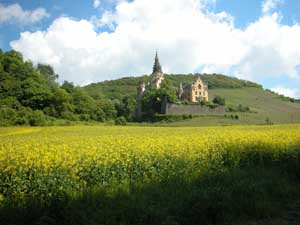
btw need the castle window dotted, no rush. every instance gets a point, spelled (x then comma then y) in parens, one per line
(196, 92)
(199, 86)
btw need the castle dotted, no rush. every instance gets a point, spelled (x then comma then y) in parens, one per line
(193, 93)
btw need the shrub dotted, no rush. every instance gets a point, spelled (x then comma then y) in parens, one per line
(219, 100)
(268, 121)
(84, 117)
(120, 121)
(7, 116)
(239, 108)
(69, 116)
(23, 116)
(37, 118)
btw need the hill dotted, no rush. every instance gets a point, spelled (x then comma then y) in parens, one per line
(116, 89)
(262, 103)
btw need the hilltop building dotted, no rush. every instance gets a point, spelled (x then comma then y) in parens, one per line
(194, 92)
(157, 78)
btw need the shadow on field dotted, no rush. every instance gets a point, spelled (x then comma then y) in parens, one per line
(233, 195)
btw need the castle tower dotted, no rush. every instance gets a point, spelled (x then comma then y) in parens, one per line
(157, 74)
(156, 79)
(157, 67)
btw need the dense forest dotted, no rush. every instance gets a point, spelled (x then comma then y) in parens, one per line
(31, 95)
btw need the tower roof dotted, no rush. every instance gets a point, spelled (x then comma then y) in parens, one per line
(157, 67)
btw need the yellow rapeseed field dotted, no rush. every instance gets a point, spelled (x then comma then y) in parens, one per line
(44, 161)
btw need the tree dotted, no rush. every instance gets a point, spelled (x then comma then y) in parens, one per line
(121, 121)
(48, 72)
(109, 109)
(219, 100)
(61, 102)
(83, 103)
(154, 98)
(68, 86)
(36, 94)
(126, 108)
(7, 116)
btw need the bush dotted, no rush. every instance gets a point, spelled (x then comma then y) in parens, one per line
(232, 116)
(37, 118)
(10, 102)
(219, 100)
(84, 117)
(171, 118)
(268, 121)
(7, 116)
(69, 116)
(23, 116)
(239, 108)
(120, 121)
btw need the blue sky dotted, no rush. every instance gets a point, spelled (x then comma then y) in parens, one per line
(88, 42)
(244, 12)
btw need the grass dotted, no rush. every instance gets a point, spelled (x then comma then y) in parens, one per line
(266, 104)
(263, 104)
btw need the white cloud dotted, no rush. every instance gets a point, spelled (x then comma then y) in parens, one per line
(188, 37)
(107, 19)
(15, 14)
(269, 5)
(272, 50)
(289, 92)
(96, 3)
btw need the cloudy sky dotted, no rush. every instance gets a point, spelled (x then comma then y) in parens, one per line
(94, 40)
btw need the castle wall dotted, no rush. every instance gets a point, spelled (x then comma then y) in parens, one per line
(173, 109)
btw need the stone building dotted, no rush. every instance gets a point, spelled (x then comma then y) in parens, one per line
(194, 92)
(157, 78)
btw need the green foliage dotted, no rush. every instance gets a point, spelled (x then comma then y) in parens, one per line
(120, 121)
(37, 118)
(24, 115)
(219, 100)
(48, 72)
(268, 121)
(83, 103)
(68, 86)
(61, 102)
(10, 102)
(232, 116)
(32, 92)
(8, 116)
(239, 108)
(172, 118)
(36, 93)
(126, 108)
(153, 99)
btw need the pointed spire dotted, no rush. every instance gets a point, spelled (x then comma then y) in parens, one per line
(157, 67)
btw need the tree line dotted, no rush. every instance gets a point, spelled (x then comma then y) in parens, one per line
(31, 95)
